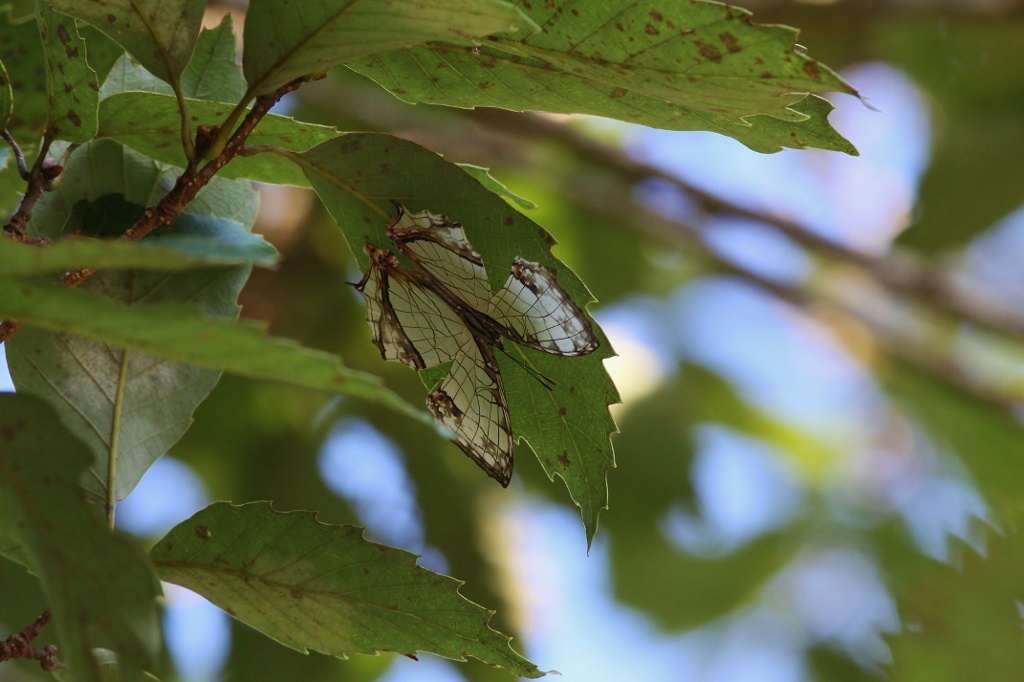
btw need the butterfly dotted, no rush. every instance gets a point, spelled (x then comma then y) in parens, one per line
(442, 310)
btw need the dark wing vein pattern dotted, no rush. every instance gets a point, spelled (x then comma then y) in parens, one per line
(443, 310)
(471, 403)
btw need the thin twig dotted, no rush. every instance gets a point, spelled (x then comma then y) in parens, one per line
(185, 189)
(899, 271)
(17, 645)
(615, 204)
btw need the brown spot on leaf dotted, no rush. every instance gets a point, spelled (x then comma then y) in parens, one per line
(203, 533)
(618, 25)
(349, 146)
(810, 67)
(74, 118)
(563, 458)
(730, 41)
(657, 16)
(111, 18)
(509, 221)
(295, 594)
(574, 12)
(709, 51)
(7, 433)
(651, 31)
(62, 35)
(561, 411)
(617, 93)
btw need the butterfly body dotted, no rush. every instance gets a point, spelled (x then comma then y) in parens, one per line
(442, 309)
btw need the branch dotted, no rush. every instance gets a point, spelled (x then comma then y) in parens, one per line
(894, 339)
(900, 271)
(185, 189)
(17, 645)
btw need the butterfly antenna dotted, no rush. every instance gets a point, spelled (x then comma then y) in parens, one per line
(544, 381)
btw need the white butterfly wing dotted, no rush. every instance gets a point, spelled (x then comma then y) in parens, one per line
(471, 403)
(537, 312)
(440, 247)
(408, 323)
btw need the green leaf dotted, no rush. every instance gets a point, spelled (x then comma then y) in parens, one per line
(109, 668)
(212, 74)
(161, 35)
(826, 663)
(11, 546)
(987, 439)
(284, 41)
(140, 180)
(955, 616)
(358, 175)
(18, 11)
(170, 253)
(6, 98)
(677, 589)
(183, 333)
(11, 185)
(97, 584)
(124, 404)
(675, 65)
(149, 123)
(72, 86)
(22, 55)
(101, 51)
(484, 177)
(310, 585)
(684, 591)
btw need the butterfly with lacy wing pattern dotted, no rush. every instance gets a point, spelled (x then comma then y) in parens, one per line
(443, 309)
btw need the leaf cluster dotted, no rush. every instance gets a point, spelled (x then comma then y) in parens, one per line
(135, 137)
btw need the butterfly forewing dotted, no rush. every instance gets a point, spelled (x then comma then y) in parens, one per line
(471, 403)
(537, 312)
(439, 246)
(409, 323)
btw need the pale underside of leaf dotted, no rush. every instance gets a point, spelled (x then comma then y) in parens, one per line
(20, 260)
(311, 585)
(212, 73)
(95, 582)
(150, 123)
(184, 334)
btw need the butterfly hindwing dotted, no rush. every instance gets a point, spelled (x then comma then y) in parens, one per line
(471, 402)
(408, 323)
